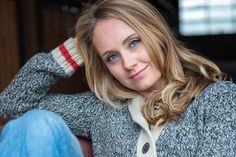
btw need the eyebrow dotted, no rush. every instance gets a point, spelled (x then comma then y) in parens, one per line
(128, 38)
(124, 41)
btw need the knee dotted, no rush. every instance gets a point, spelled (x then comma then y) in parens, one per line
(40, 123)
(36, 123)
(39, 132)
(41, 119)
(37, 116)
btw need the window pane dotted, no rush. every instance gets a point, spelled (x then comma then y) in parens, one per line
(202, 17)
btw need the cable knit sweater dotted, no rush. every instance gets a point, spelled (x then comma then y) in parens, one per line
(207, 128)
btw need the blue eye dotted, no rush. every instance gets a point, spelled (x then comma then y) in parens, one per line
(133, 43)
(112, 57)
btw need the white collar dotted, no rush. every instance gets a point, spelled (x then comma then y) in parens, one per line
(135, 110)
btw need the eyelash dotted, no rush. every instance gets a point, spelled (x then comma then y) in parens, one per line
(136, 42)
(109, 57)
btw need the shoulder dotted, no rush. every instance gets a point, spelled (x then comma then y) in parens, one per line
(219, 88)
(215, 91)
(218, 98)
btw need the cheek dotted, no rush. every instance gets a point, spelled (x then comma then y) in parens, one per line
(114, 71)
(144, 55)
(149, 59)
(118, 74)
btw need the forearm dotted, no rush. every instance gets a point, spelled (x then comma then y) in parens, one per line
(33, 81)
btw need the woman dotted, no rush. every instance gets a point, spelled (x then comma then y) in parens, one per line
(155, 97)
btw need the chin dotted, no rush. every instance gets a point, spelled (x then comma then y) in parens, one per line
(145, 89)
(148, 86)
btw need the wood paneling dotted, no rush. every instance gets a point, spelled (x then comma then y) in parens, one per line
(9, 52)
(29, 27)
(42, 31)
(56, 27)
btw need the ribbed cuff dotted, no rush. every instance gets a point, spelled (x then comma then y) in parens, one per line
(67, 56)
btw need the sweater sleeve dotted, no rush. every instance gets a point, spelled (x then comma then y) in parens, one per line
(219, 129)
(29, 88)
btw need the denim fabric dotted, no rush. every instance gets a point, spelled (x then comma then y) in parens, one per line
(38, 133)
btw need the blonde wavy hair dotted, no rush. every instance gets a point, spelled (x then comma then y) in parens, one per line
(185, 73)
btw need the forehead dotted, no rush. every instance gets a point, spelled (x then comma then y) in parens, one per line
(111, 25)
(111, 32)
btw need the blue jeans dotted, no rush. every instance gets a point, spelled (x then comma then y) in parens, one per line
(38, 133)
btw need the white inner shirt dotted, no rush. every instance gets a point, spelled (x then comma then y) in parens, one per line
(147, 134)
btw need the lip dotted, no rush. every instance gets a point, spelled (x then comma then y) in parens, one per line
(136, 74)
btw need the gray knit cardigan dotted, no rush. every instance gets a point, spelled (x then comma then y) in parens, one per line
(207, 128)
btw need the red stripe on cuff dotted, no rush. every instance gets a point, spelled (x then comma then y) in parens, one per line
(67, 56)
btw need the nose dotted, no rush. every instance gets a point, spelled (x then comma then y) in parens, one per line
(129, 61)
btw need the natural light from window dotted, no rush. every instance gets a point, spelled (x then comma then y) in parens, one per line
(207, 17)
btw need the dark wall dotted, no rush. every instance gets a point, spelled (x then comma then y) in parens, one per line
(42, 26)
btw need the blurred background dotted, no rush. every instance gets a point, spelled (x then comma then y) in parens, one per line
(31, 26)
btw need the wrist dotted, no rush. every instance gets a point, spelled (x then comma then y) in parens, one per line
(67, 56)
